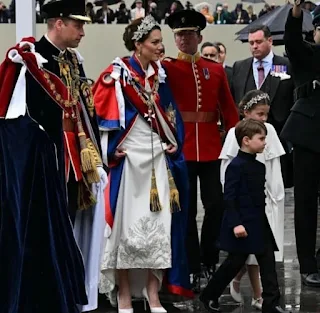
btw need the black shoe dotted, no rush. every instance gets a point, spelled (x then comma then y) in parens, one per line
(208, 271)
(318, 258)
(195, 285)
(279, 309)
(210, 305)
(311, 280)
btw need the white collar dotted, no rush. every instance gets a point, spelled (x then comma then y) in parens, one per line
(267, 59)
(150, 71)
(47, 37)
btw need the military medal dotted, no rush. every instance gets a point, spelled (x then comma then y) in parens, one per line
(206, 73)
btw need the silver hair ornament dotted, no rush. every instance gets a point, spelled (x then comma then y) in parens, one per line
(255, 100)
(147, 24)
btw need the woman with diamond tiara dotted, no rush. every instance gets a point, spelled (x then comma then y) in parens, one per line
(255, 105)
(142, 138)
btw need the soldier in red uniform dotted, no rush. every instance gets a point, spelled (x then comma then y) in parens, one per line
(201, 91)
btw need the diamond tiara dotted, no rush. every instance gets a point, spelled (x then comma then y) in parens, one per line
(147, 24)
(255, 100)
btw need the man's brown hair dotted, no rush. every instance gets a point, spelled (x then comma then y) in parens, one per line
(249, 128)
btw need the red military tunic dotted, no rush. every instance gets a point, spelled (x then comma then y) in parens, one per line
(201, 90)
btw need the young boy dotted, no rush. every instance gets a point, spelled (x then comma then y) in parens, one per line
(245, 229)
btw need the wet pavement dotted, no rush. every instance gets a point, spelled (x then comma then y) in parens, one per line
(295, 297)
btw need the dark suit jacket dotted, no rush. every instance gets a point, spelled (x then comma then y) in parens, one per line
(303, 125)
(228, 70)
(244, 199)
(100, 16)
(280, 92)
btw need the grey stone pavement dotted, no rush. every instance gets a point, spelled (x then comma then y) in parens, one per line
(295, 297)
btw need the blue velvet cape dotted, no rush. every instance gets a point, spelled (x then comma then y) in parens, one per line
(41, 267)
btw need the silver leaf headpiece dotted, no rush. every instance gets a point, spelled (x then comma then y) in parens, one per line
(255, 100)
(147, 24)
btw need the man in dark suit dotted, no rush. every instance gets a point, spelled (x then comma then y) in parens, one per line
(105, 15)
(222, 60)
(272, 74)
(302, 129)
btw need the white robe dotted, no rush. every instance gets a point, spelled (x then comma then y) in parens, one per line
(89, 228)
(274, 188)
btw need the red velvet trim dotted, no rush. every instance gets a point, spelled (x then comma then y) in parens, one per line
(114, 162)
(108, 212)
(7, 83)
(73, 153)
(180, 291)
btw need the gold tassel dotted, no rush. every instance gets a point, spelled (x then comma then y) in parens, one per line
(155, 205)
(86, 199)
(87, 158)
(174, 194)
(92, 177)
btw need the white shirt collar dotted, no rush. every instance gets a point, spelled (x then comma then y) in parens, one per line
(268, 59)
(47, 37)
(150, 71)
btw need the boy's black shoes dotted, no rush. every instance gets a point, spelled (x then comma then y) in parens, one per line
(311, 280)
(210, 305)
(196, 283)
(279, 309)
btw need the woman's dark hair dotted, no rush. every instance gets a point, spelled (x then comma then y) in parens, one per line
(256, 97)
(129, 32)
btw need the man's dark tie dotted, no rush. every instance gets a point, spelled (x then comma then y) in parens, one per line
(260, 74)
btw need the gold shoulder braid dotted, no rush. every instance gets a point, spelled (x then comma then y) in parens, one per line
(70, 74)
(148, 98)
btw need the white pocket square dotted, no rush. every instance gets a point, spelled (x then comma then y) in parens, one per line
(285, 76)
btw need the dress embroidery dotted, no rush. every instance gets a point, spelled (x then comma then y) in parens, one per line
(147, 246)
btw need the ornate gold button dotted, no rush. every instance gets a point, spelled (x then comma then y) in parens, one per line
(199, 82)
(67, 115)
(199, 100)
(199, 106)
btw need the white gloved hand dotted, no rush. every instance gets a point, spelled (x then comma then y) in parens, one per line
(103, 177)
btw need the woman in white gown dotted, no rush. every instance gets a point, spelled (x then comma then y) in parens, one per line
(142, 138)
(256, 105)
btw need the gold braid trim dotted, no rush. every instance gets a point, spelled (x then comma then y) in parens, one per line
(71, 74)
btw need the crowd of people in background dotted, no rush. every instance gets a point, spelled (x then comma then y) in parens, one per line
(158, 9)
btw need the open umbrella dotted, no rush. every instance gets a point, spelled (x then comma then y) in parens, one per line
(277, 39)
(276, 20)
(98, 3)
(254, 1)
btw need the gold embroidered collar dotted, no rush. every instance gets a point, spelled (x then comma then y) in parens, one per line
(188, 57)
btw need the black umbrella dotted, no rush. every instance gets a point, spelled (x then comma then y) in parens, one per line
(253, 1)
(98, 3)
(276, 20)
(276, 39)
